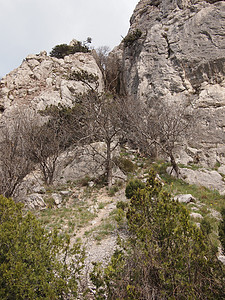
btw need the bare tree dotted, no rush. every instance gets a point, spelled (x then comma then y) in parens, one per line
(45, 142)
(105, 122)
(160, 127)
(104, 118)
(14, 163)
(101, 57)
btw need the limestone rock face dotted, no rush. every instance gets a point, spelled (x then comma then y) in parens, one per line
(84, 161)
(210, 179)
(180, 56)
(42, 80)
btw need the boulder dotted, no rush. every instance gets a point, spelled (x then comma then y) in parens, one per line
(194, 208)
(221, 169)
(31, 184)
(185, 198)
(57, 198)
(196, 215)
(118, 175)
(221, 256)
(83, 161)
(34, 201)
(65, 193)
(215, 214)
(91, 184)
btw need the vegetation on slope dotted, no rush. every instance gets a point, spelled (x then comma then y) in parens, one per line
(166, 255)
(33, 262)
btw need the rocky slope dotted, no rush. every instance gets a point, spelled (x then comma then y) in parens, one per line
(42, 80)
(180, 55)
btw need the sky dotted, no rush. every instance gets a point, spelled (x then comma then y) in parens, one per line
(31, 26)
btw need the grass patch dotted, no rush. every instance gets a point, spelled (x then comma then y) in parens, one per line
(211, 198)
(67, 220)
(101, 205)
(190, 166)
(106, 228)
(175, 186)
(125, 164)
(113, 190)
(102, 231)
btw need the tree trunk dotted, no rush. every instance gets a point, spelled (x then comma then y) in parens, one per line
(109, 164)
(174, 165)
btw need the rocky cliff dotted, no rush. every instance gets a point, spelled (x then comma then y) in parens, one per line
(42, 80)
(174, 50)
(180, 55)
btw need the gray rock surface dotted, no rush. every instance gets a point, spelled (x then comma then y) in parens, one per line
(196, 215)
(210, 179)
(180, 57)
(185, 198)
(34, 201)
(42, 80)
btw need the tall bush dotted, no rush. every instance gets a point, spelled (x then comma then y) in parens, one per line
(166, 256)
(33, 262)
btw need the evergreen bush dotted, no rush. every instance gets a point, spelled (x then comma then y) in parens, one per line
(166, 255)
(62, 50)
(33, 262)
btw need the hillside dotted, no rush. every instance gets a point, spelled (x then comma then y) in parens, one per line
(122, 153)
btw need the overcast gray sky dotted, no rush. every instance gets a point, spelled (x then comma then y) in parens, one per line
(30, 26)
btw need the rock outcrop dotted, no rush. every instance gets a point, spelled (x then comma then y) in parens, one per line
(180, 56)
(42, 80)
(210, 179)
(72, 165)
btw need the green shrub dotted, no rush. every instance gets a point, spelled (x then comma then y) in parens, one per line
(206, 227)
(84, 181)
(50, 202)
(113, 190)
(132, 37)
(165, 255)
(62, 50)
(33, 261)
(126, 165)
(101, 180)
(132, 187)
(122, 205)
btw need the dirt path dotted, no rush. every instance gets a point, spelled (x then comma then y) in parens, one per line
(99, 251)
(102, 214)
(108, 203)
